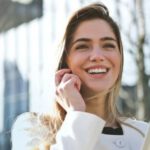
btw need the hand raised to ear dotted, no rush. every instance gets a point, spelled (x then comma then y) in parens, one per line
(68, 91)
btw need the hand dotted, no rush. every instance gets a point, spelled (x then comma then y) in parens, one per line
(68, 90)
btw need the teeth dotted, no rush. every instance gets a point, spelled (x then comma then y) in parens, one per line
(100, 70)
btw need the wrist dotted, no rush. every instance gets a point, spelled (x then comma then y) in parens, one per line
(79, 108)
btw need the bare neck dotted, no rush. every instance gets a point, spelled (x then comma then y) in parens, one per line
(96, 105)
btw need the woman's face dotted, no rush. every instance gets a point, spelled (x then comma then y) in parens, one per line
(94, 56)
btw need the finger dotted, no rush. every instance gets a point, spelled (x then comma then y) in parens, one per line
(75, 80)
(66, 77)
(63, 83)
(59, 74)
(78, 83)
(61, 102)
(71, 79)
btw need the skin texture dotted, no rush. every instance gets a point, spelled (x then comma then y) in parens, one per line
(94, 46)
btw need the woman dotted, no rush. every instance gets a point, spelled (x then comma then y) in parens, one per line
(87, 85)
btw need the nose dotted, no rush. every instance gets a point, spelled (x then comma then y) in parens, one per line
(97, 54)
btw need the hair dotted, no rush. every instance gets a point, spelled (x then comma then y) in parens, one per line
(89, 12)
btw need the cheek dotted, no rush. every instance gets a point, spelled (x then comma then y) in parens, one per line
(74, 61)
(76, 67)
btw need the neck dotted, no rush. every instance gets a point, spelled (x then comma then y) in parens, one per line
(96, 105)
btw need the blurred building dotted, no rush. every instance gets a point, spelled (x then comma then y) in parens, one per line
(16, 12)
(14, 95)
(128, 100)
(15, 100)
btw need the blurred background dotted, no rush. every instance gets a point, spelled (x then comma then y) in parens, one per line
(30, 32)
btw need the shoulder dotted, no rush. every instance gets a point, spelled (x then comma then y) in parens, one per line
(29, 131)
(25, 120)
(142, 126)
(138, 123)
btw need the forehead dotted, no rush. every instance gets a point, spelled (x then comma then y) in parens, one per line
(95, 28)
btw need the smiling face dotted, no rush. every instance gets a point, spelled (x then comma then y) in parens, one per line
(94, 56)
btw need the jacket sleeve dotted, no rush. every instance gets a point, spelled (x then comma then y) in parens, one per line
(79, 131)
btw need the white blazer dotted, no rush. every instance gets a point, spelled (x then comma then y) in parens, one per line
(82, 131)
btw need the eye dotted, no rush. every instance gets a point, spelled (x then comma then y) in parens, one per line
(81, 47)
(109, 46)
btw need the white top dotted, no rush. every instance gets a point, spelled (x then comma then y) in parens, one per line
(80, 131)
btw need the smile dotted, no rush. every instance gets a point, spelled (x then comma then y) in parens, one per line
(97, 71)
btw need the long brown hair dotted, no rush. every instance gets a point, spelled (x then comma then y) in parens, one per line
(93, 11)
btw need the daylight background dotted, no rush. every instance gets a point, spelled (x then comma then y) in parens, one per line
(30, 33)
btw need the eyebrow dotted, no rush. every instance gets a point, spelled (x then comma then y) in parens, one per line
(88, 40)
(108, 38)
